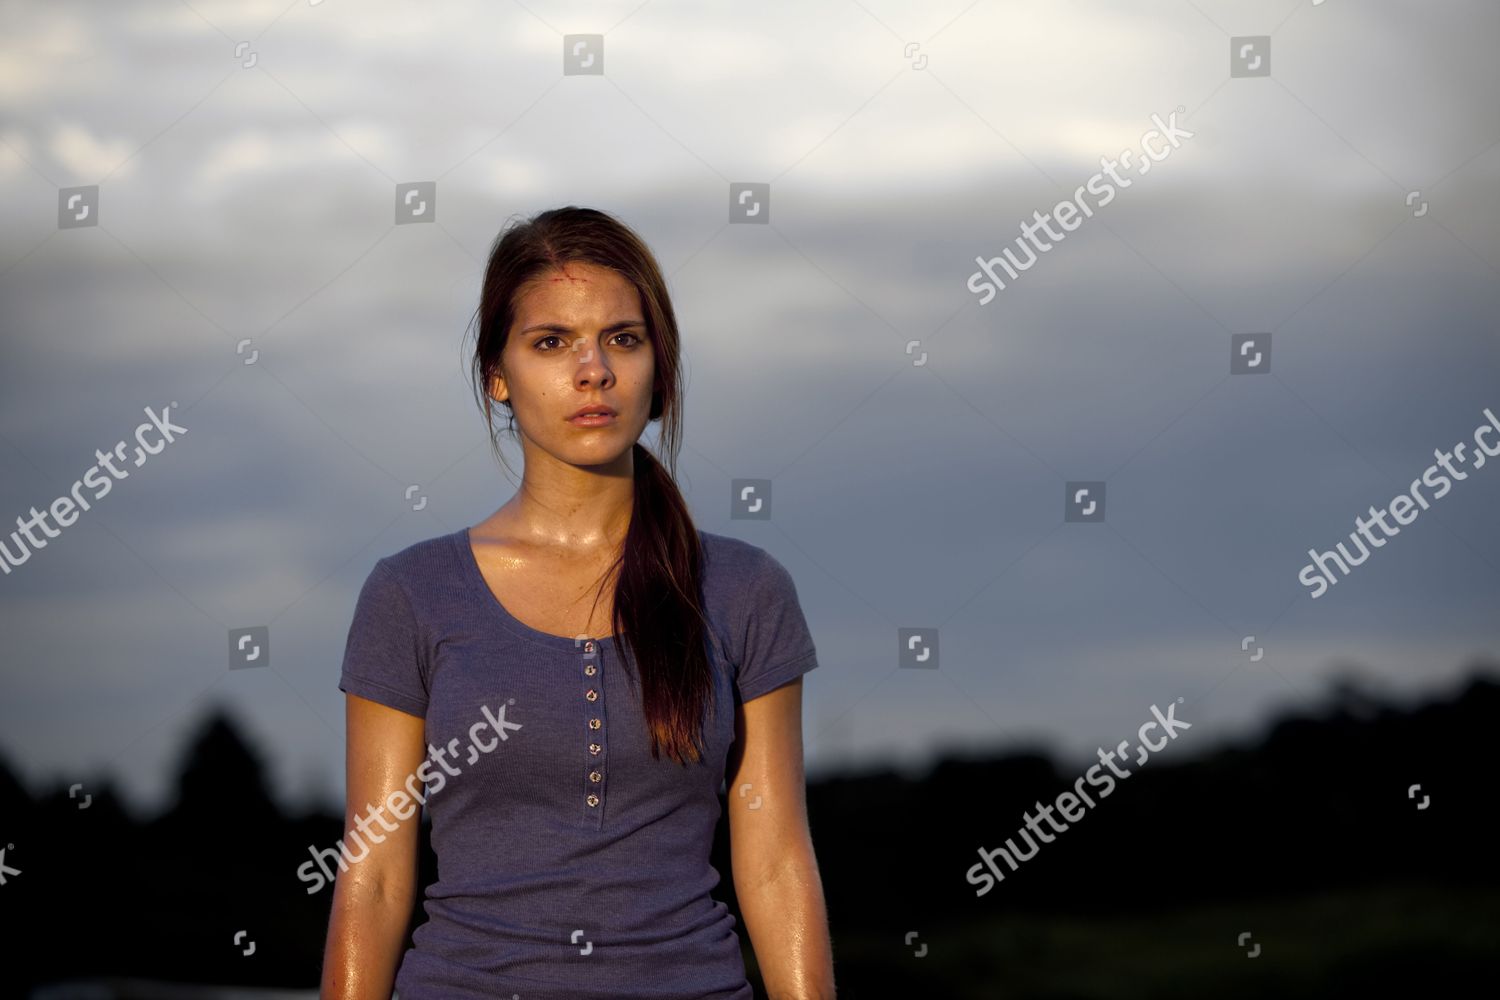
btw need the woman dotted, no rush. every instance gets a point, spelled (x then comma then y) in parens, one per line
(571, 754)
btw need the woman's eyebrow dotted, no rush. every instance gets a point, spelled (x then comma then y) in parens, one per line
(623, 324)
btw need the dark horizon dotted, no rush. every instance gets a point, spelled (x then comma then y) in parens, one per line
(1261, 827)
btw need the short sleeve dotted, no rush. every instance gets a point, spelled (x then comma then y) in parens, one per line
(383, 655)
(778, 646)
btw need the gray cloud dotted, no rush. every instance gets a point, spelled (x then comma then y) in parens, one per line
(905, 495)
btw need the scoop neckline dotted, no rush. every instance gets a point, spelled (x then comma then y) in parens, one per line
(476, 578)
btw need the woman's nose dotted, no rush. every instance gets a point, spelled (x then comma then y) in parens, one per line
(591, 364)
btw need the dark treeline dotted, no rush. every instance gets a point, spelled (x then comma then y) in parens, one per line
(1310, 832)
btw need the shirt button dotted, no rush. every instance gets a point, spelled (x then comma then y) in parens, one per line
(594, 776)
(594, 723)
(588, 647)
(589, 670)
(592, 800)
(591, 694)
(594, 748)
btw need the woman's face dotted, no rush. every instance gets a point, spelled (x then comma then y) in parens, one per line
(579, 338)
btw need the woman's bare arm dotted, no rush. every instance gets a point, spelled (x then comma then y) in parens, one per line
(372, 901)
(775, 871)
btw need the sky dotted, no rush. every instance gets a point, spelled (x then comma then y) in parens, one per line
(243, 266)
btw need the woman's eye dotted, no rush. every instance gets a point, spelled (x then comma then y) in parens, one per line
(546, 343)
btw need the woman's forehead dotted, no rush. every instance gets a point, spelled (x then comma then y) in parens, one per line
(582, 290)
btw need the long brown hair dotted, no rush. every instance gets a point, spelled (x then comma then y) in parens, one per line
(658, 604)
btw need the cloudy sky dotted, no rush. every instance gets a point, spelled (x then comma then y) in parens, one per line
(247, 156)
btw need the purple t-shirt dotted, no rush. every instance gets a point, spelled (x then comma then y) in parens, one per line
(571, 865)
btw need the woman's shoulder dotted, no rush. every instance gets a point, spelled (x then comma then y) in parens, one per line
(728, 552)
(738, 563)
(422, 558)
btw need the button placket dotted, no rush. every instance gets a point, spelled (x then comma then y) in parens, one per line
(594, 721)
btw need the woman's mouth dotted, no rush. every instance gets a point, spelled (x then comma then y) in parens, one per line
(593, 418)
